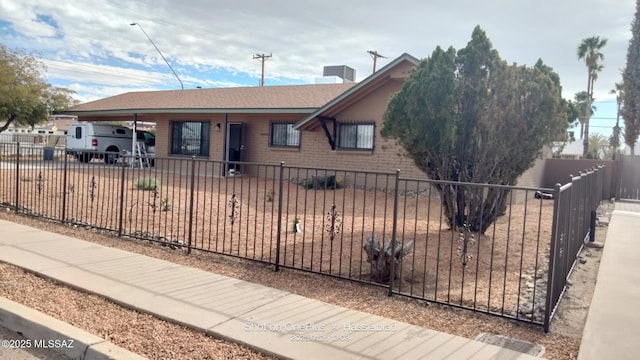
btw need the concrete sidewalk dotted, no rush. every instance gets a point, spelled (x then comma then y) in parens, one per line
(268, 320)
(613, 322)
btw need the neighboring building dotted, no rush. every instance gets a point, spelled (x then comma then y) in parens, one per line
(574, 148)
(320, 125)
(568, 150)
(39, 134)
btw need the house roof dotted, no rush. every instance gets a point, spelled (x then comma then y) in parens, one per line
(357, 92)
(266, 99)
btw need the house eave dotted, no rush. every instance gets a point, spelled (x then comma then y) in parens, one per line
(116, 112)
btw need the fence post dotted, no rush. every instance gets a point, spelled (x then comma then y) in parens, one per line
(582, 214)
(17, 195)
(193, 179)
(618, 176)
(63, 211)
(394, 231)
(595, 201)
(121, 208)
(555, 228)
(279, 226)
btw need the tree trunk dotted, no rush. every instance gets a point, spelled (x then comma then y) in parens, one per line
(382, 258)
(587, 114)
(471, 209)
(10, 120)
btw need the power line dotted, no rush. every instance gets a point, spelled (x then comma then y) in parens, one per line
(602, 126)
(95, 69)
(159, 52)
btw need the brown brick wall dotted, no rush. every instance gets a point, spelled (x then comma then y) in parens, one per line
(314, 150)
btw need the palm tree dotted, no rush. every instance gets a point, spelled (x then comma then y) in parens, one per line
(598, 146)
(581, 103)
(614, 141)
(589, 50)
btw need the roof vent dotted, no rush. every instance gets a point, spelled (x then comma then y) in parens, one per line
(346, 73)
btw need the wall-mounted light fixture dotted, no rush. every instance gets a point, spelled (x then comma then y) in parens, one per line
(218, 127)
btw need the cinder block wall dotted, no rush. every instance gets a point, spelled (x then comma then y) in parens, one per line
(557, 171)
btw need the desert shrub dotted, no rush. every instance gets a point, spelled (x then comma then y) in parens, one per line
(146, 183)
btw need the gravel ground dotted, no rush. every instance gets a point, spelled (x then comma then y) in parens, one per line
(158, 339)
(140, 333)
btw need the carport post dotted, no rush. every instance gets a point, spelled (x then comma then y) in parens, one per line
(134, 138)
(224, 145)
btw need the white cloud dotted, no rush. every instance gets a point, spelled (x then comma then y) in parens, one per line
(203, 39)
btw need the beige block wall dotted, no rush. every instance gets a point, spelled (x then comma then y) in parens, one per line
(535, 175)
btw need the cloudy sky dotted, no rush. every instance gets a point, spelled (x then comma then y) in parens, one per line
(90, 47)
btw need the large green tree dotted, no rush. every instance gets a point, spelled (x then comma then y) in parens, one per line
(468, 116)
(631, 88)
(589, 51)
(26, 98)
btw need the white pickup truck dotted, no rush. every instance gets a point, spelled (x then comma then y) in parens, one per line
(104, 141)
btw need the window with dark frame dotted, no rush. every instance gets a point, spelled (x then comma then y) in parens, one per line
(356, 136)
(190, 138)
(283, 134)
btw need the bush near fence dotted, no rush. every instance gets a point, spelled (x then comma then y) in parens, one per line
(516, 269)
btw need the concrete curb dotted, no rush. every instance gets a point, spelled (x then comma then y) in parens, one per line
(45, 331)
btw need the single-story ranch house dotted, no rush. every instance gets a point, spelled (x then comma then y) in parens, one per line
(320, 125)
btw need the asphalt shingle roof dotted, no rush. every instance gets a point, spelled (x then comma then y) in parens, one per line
(267, 97)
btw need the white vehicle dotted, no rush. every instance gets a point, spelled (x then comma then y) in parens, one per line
(104, 141)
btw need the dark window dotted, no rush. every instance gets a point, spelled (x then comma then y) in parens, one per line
(148, 138)
(355, 136)
(190, 138)
(283, 134)
(78, 133)
(120, 131)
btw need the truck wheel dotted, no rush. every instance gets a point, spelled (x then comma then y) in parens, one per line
(111, 156)
(84, 157)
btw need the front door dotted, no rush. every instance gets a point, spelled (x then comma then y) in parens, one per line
(234, 145)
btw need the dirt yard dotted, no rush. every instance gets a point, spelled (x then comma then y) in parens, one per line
(238, 216)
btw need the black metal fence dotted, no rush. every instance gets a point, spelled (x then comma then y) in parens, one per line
(339, 223)
(574, 225)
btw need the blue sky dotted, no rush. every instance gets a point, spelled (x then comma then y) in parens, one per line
(90, 47)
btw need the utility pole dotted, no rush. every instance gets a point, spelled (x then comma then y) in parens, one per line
(374, 55)
(262, 58)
